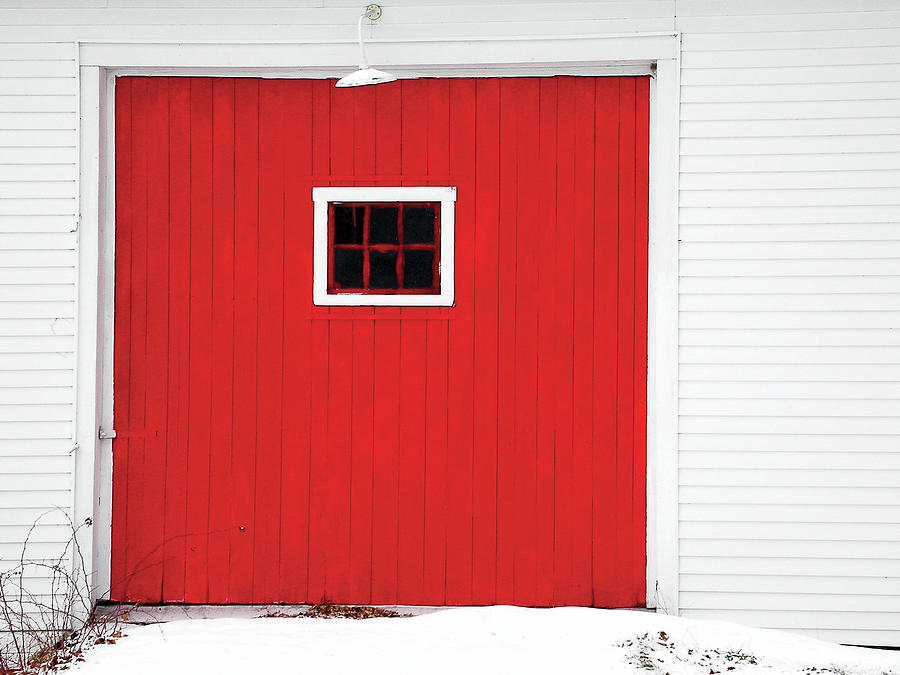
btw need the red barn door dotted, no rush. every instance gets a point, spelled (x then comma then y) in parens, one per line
(270, 450)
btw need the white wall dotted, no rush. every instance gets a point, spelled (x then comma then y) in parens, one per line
(37, 300)
(789, 315)
(789, 366)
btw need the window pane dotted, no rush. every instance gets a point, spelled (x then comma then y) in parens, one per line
(418, 271)
(382, 269)
(418, 224)
(348, 268)
(383, 224)
(347, 228)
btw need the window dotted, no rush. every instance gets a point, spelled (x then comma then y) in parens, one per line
(384, 246)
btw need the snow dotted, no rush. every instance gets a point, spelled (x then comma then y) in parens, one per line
(477, 640)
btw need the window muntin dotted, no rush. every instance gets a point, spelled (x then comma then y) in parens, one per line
(384, 248)
(361, 257)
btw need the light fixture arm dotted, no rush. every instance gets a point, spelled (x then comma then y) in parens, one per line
(372, 13)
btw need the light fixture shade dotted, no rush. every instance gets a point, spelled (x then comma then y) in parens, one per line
(365, 76)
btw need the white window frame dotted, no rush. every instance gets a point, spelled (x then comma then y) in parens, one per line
(323, 196)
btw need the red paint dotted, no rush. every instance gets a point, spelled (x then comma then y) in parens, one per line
(274, 451)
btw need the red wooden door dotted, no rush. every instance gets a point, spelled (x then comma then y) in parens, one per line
(270, 450)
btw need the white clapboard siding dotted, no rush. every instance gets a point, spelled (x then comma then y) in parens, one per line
(37, 305)
(789, 448)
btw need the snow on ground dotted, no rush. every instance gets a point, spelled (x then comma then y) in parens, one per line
(470, 640)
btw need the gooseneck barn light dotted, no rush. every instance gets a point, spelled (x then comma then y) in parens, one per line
(365, 74)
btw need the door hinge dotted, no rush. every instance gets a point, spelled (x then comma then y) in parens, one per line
(104, 434)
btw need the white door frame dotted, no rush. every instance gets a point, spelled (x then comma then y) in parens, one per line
(100, 62)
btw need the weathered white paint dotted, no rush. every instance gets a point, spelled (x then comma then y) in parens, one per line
(784, 289)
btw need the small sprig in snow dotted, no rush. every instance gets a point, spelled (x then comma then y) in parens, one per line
(658, 652)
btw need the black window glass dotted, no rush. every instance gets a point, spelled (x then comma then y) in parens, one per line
(418, 271)
(383, 269)
(418, 225)
(348, 268)
(383, 225)
(348, 224)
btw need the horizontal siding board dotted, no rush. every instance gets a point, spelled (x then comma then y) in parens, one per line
(865, 196)
(828, 600)
(810, 476)
(803, 268)
(866, 390)
(840, 74)
(29, 293)
(829, 566)
(33, 86)
(38, 120)
(35, 430)
(799, 531)
(836, 285)
(37, 413)
(779, 110)
(748, 41)
(36, 395)
(790, 584)
(839, 514)
(787, 128)
(807, 442)
(835, 56)
(37, 378)
(776, 302)
(788, 619)
(38, 155)
(792, 92)
(37, 173)
(871, 496)
(16, 326)
(864, 407)
(42, 51)
(751, 319)
(748, 424)
(35, 138)
(871, 232)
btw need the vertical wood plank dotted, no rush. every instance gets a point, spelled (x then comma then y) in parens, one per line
(546, 366)
(340, 382)
(460, 360)
(528, 245)
(296, 403)
(385, 504)
(200, 367)
(507, 517)
(485, 309)
(565, 592)
(362, 417)
(174, 541)
(437, 412)
(137, 547)
(147, 582)
(639, 448)
(270, 332)
(122, 345)
(626, 337)
(413, 355)
(319, 524)
(246, 234)
(606, 215)
(221, 429)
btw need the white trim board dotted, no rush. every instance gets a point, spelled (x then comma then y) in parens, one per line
(595, 55)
